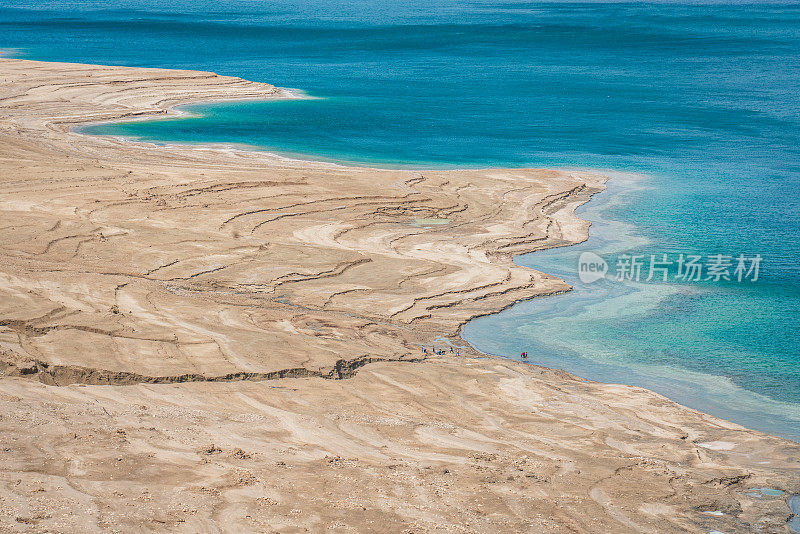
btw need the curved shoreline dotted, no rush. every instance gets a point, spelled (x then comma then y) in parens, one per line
(705, 391)
(702, 403)
(571, 229)
(148, 262)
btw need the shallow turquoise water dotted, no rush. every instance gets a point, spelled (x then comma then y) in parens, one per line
(700, 98)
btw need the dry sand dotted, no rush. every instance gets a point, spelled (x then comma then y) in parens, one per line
(200, 339)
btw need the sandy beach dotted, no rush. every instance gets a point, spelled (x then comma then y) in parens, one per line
(208, 339)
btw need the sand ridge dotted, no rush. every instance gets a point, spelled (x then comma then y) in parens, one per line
(205, 339)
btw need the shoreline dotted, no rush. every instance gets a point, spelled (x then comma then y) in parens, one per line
(133, 260)
(704, 391)
(172, 110)
(634, 182)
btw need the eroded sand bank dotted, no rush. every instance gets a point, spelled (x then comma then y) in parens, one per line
(199, 339)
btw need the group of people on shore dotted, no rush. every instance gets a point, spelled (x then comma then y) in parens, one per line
(441, 352)
(454, 350)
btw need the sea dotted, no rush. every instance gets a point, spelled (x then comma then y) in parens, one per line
(689, 284)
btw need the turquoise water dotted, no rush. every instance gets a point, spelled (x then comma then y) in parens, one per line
(694, 107)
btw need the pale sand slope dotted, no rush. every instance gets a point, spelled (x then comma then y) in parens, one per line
(253, 284)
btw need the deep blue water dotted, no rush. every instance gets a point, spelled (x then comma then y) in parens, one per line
(701, 99)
